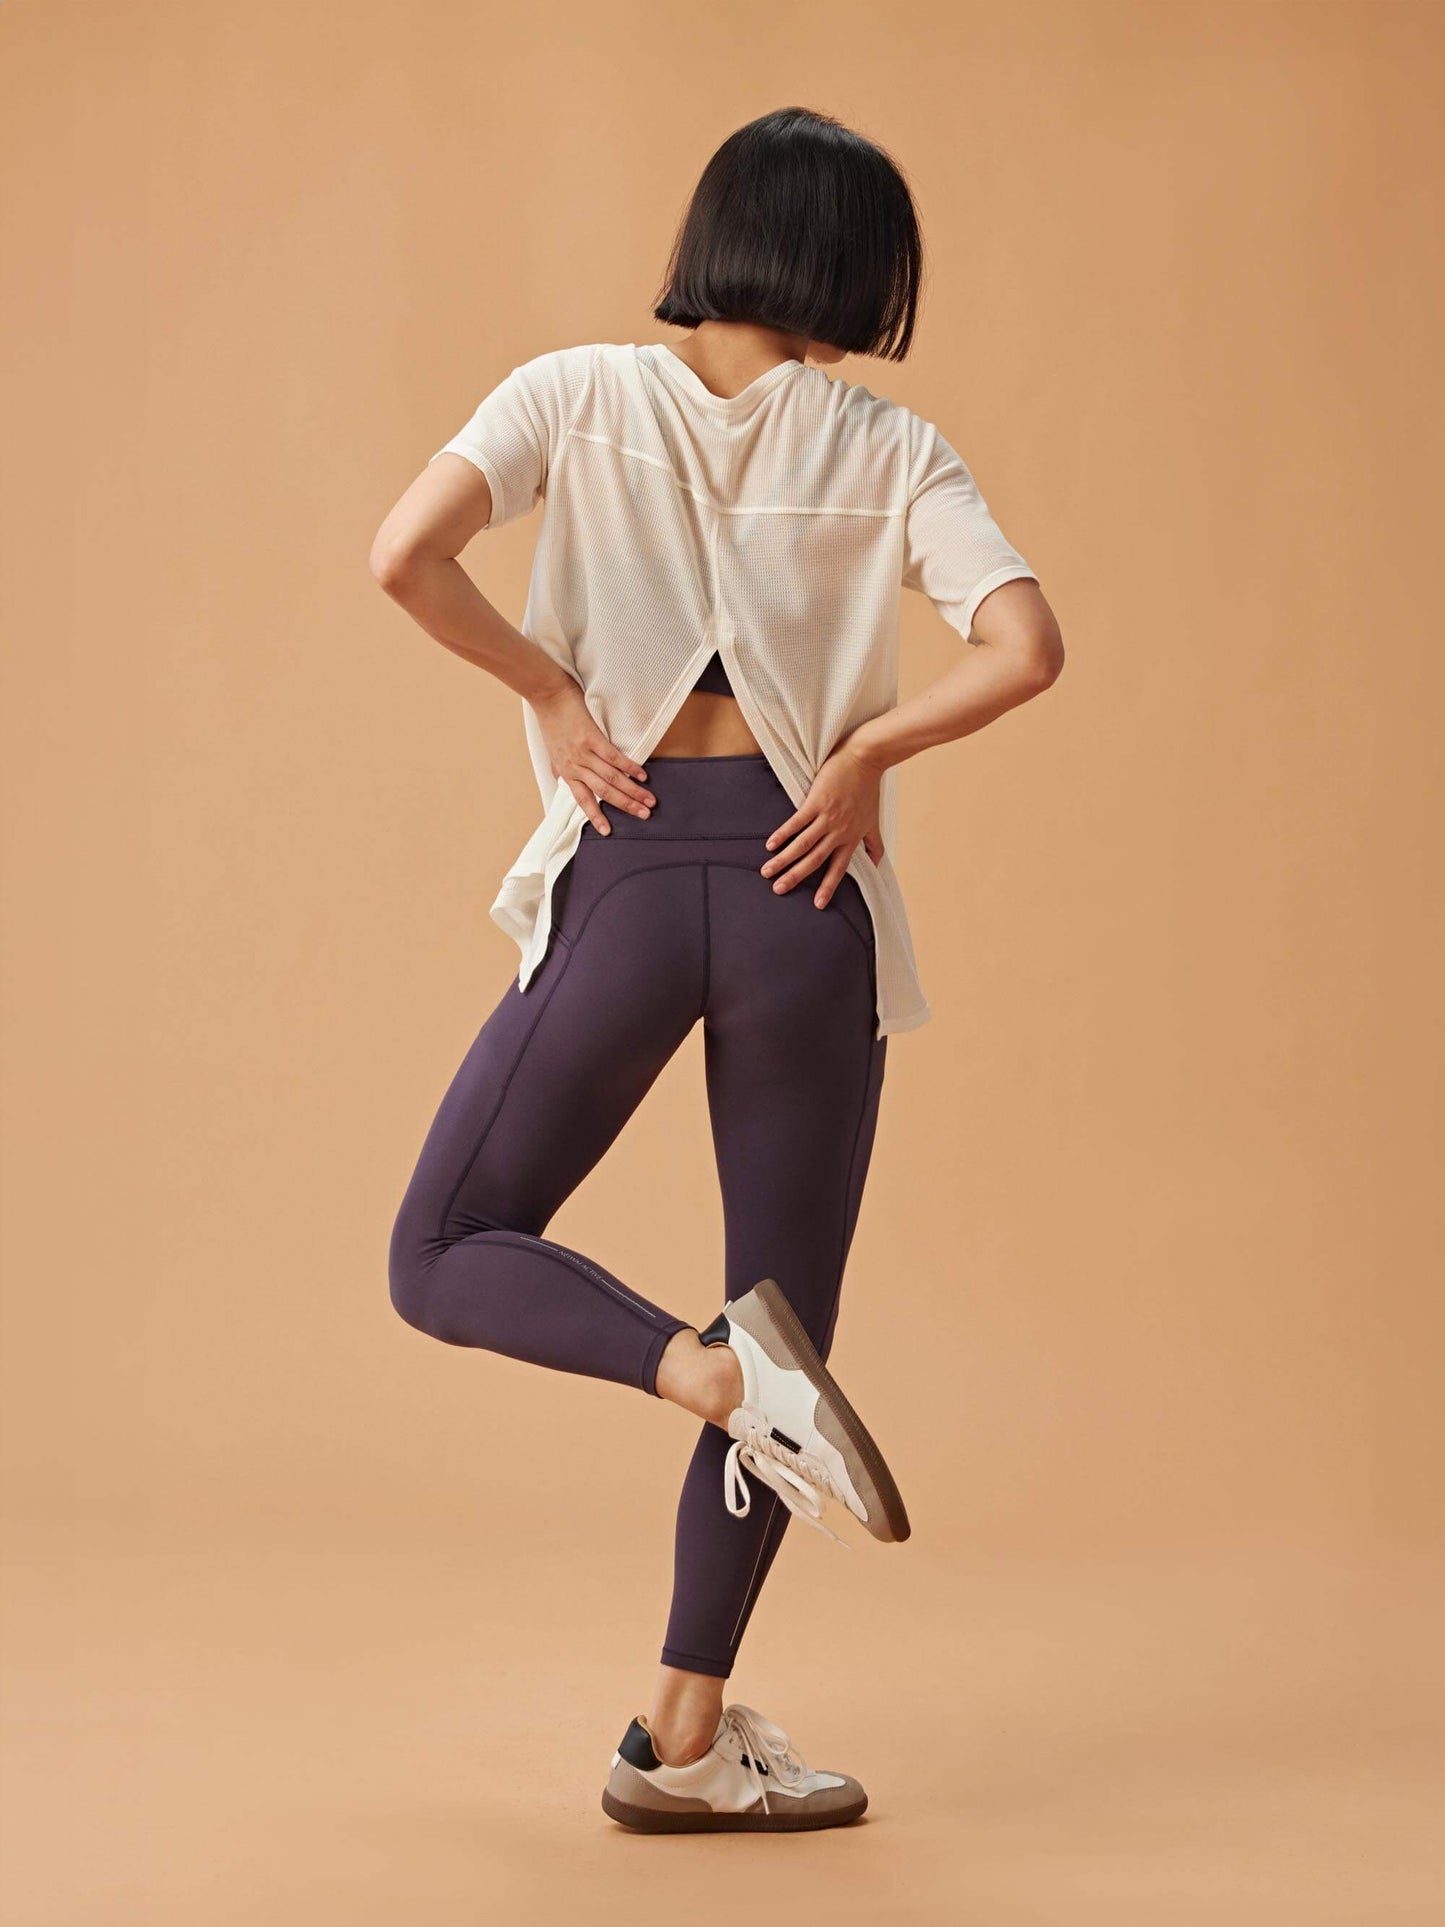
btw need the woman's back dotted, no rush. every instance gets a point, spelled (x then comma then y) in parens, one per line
(775, 526)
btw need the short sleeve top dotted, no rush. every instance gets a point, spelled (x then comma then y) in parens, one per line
(775, 527)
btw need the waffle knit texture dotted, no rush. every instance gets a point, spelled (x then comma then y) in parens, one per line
(776, 527)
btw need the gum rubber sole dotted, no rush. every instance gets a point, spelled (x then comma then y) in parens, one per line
(857, 1433)
(659, 1820)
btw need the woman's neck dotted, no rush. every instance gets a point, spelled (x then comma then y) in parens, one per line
(727, 355)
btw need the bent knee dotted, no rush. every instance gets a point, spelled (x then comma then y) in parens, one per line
(446, 1286)
(409, 1279)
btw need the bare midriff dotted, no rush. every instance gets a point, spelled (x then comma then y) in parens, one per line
(708, 725)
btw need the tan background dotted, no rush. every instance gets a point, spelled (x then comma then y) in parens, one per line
(314, 1622)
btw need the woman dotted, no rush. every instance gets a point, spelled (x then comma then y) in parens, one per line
(708, 668)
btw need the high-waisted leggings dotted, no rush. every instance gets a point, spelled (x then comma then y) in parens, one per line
(664, 923)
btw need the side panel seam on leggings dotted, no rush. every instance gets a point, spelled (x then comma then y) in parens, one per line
(630, 876)
(573, 1261)
(706, 938)
(864, 942)
(876, 1046)
(568, 954)
(748, 1595)
(774, 1531)
(832, 1312)
(466, 1170)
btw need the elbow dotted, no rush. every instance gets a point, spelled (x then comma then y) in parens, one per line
(1042, 656)
(393, 565)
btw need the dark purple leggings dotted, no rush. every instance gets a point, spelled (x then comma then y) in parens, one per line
(665, 921)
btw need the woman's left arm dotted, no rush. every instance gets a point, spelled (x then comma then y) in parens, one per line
(1016, 652)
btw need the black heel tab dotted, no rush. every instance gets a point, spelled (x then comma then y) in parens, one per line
(637, 1750)
(718, 1332)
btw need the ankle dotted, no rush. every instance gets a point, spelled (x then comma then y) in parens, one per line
(681, 1745)
(705, 1380)
(725, 1382)
(684, 1715)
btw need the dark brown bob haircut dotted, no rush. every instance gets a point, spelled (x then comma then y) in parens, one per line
(798, 223)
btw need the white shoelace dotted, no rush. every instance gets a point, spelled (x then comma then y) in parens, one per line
(798, 1480)
(764, 1749)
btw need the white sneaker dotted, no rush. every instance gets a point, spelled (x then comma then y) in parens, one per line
(794, 1430)
(751, 1779)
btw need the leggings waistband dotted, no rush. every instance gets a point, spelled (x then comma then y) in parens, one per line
(705, 797)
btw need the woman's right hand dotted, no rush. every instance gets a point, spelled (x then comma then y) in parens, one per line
(592, 767)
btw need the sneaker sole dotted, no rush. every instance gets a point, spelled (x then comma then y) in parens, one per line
(866, 1465)
(659, 1820)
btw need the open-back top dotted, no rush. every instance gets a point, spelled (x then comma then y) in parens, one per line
(768, 533)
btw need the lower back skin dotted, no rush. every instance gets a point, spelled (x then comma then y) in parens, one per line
(708, 725)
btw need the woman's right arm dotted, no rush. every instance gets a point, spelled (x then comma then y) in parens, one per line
(415, 559)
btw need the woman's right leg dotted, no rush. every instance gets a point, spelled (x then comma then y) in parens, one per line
(553, 1075)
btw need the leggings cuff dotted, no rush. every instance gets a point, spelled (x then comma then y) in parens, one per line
(696, 1663)
(660, 1342)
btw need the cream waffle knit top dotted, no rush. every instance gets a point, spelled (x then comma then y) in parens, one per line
(776, 527)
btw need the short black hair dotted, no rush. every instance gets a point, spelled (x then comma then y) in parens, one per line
(798, 223)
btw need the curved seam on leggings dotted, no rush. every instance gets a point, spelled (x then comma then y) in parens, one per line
(570, 952)
(713, 837)
(681, 863)
(644, 869)
(466, 1170)
(573, 1261)
(722, 863)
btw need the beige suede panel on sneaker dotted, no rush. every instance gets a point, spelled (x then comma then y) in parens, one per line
(827, 1799)
(638, 1790)
(756, 1320)
(831, 1428)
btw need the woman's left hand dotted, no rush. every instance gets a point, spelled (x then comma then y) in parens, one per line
(839, 812)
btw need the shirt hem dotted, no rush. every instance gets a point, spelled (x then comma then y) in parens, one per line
(498, 513)
(1012, 572)
(887, 1026)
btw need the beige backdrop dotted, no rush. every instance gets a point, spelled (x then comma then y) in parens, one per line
(314, 1621)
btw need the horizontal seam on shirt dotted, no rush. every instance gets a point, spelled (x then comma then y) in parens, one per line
(790, 508)
(722, 508)
(653, 461)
